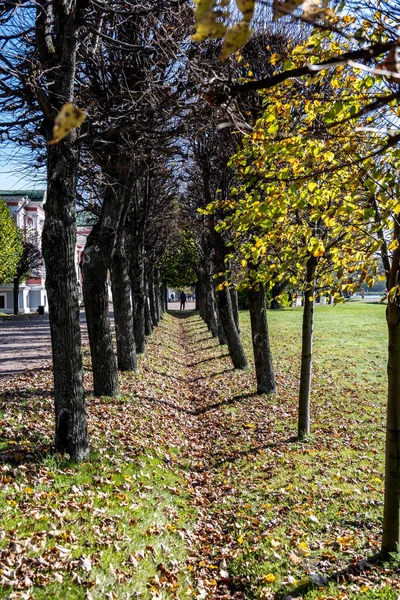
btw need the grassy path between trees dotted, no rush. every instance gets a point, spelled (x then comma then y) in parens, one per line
(196, 487)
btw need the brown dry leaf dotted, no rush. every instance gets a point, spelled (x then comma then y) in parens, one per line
(294, 559)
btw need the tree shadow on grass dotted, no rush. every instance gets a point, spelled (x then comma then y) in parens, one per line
(34, 448)
(216, 345)
(192, 379)
(349, 573)
(208, 360)
(219, 458)
(196, 412)
(182, 314)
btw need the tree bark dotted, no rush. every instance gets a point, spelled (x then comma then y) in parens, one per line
(391, 519)
(221, 333)
(148, 321)
(233, 340)
(16, 295)
(235, 307)
(158, 295)
(164, 297)
(224, 303)
(306, 351)
(122, 302)
(58, 244)
(276, 291)
(197, 295)
(152, 296)
(260, 337)
(138, 292)
(95, 294)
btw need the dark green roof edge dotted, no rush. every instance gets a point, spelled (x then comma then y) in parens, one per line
(84, 218)
(34, 195)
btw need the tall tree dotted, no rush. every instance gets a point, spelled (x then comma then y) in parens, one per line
(30, 263)
(10, 245)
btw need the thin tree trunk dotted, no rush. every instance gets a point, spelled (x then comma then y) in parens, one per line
(148, 321)
(158, 294)
(221, 333)
(197, 295)
(391, 519)
(235, 307)
(95, 295)
(122, 302)
(260, 338)
(276, 291)
(210, 309)
(164, 297)
(16, 295)
(137, 281)
(224, 304)
(58, 244)
(306, 351)
(152, 296)
(233, 340)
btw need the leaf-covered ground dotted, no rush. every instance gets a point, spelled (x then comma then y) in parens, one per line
(196, 487)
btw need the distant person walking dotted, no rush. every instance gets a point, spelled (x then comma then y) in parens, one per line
(183, 300)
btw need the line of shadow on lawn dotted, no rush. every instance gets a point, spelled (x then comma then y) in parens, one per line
(195, 412)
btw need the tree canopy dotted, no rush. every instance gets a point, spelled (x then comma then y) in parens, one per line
(11, 246)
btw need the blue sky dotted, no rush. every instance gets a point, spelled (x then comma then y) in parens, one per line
(17, 171)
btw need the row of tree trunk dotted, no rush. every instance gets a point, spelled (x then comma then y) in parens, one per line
(218, 307)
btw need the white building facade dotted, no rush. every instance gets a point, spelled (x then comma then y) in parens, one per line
(27, 207)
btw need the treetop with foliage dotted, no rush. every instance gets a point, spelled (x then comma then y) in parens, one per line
(179, 263)
(10, 245)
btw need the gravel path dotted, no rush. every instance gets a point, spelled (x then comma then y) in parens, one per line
(25, 344)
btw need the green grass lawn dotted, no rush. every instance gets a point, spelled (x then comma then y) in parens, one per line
(321, 501)
(196, 487)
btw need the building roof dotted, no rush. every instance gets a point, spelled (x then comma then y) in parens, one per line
(33, 195)
(86, 218)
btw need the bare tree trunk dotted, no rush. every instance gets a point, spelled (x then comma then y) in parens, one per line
(221, 333)
(122, 302)
(391, 519)
(306, 351)
(16, 295)
(158, 294)
(260, 338)
(276, 290)
(59, 232)
(59, 242)
(148, 321)
(197, 295)
(137, 281)
(233, 340)
(224, 303)
(95, 294)
(164, 296)
(152, 296)
(235, 307)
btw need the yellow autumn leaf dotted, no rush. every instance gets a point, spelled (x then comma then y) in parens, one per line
(235, 38)
(70, 117)
(304, 549)
(282, 8)
(247, 8)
